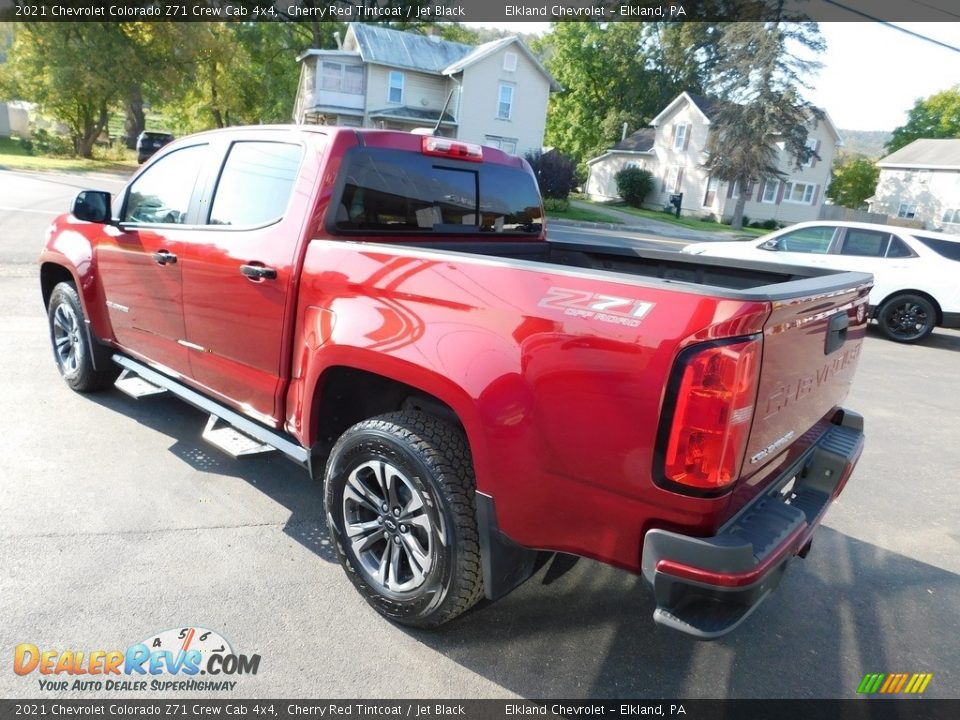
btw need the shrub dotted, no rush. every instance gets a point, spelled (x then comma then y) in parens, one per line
(560, 204)
(707, 218)
(555, 173)
(45, 142)
(633, 185)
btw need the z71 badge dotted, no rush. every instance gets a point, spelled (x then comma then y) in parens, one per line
(597, 306)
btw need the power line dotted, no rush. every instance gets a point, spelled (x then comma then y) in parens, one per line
(934, 7)
(895, 27)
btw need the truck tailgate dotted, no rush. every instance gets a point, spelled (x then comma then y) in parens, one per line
(811, 346)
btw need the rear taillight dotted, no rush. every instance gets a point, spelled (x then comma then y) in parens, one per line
(444, 147)
(713, 410)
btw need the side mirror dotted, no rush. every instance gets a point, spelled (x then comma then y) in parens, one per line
(92, 206)
(770, 245)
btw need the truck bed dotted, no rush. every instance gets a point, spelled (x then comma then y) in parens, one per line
(740, 279)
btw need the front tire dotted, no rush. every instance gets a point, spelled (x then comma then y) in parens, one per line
(71, 345)
(907, 318)
(400, 505)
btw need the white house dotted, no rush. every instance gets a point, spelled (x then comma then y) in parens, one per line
(398, 80)
(674, 150)
(921, 182)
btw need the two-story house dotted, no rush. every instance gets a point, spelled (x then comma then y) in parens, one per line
(396, 80)
(921, 182)
(674, 150)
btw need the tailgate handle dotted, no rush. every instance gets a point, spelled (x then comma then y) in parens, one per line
(836, 332)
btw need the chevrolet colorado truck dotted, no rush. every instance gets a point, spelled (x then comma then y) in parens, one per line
(386, 310)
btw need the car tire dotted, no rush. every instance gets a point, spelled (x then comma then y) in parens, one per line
(71, 343)
(399, 492)
(907, 318)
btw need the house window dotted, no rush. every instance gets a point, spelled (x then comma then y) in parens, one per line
(812, 147)
(339, 77)
(508, 145)
(951, 217)
(505, 104)
(711, 194)
(799, 193)
(907, 211)
(680, 137)
(510, 61)
(770, 188)
(671, 180)
(395, 89)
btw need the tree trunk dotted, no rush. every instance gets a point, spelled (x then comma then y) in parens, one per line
(91, 132)
(737, 221)
(214, 96)
(136, 121)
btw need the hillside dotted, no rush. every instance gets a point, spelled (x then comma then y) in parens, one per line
(865, 142)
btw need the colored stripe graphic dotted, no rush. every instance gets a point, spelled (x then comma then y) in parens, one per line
(913, 683)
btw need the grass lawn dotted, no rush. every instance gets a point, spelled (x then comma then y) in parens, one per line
(13, 156)
(687, 222)
(573, 213)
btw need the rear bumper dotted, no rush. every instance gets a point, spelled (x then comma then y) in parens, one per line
(706, 587)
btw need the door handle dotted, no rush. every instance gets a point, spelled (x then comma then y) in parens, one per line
(258, 272)
(164, 256)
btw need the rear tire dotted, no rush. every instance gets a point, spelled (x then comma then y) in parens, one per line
(907, 318)
(400, 505)
(71, 344)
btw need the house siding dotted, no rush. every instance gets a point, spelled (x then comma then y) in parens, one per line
(785, 211)
(667, 162)
(420, 90)
(933, 197)
(689, 158)
(601, 180)
(480, 97)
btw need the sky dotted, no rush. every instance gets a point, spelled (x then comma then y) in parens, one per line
(872, 74)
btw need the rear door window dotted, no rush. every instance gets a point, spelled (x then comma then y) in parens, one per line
(255, 184)
(391, 191)
(865, 243)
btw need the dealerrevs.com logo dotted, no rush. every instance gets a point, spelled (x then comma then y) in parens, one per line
(181, 653)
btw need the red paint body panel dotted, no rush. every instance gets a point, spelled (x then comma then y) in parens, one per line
(561, 407)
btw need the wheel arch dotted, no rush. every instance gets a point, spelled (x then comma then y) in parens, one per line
(908, 291)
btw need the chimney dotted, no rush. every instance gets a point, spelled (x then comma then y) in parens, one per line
(623, 134)
(336, 36)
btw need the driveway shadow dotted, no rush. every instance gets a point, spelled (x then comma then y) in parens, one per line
(580, 629)
(939, 338)
(849, 609)
(280, 479)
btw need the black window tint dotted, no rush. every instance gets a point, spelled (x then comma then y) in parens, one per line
(898, 248)
(255, 184)
(949, 249)
(865, 243)
(162, 193)
(396, 191)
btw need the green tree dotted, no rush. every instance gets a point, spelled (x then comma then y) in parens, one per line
(618, 73)
(937, 116)
(852, 181)
(73, 71)
(758, 77)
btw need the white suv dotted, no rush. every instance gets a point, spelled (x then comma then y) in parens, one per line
(916, 273)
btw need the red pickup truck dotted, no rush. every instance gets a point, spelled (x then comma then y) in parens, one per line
(386, 309)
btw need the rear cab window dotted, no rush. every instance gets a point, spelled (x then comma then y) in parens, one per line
(385, 191)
